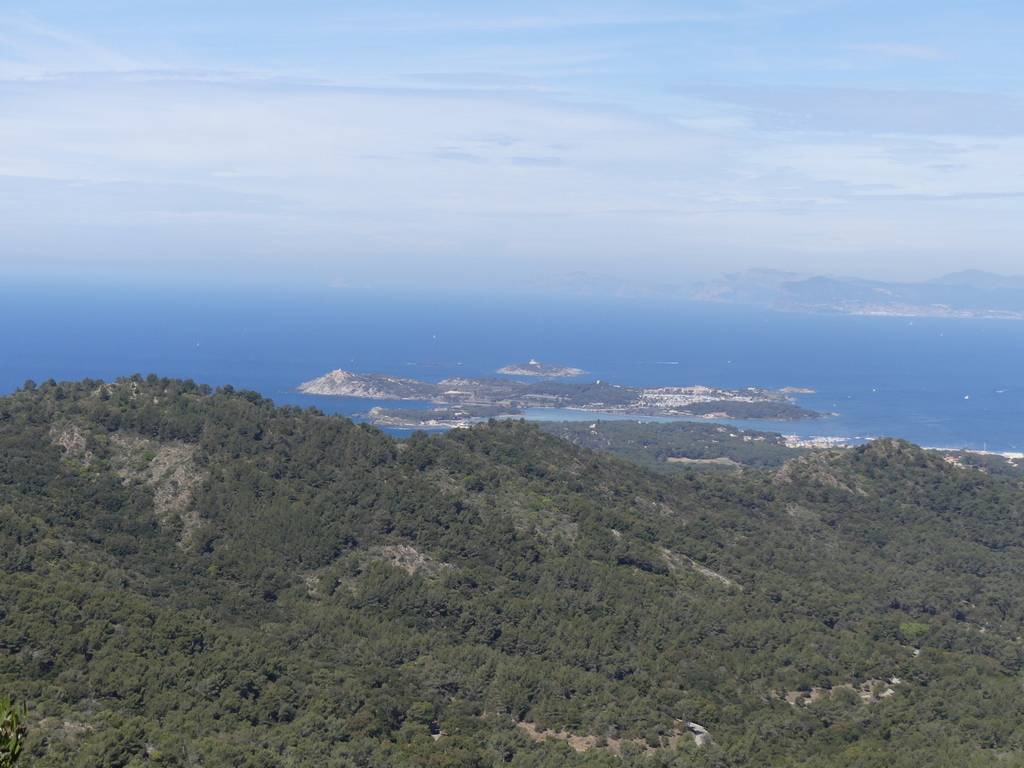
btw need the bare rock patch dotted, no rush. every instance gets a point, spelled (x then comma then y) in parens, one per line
(170, 469)
(677, 561)
(411, 560)
(70, 438)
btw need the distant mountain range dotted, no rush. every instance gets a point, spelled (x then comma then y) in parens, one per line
(970, 294)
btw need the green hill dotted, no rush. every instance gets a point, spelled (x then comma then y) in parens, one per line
(197, 578)
(678, 446)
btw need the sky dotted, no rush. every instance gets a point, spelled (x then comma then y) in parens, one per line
(528, 144)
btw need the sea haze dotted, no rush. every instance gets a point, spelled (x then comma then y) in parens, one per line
(938, 382)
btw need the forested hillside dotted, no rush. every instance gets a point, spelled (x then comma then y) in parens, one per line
(197, 578)
(679, 446)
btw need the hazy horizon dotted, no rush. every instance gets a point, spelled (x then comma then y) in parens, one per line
(227, 280)
(456, 146)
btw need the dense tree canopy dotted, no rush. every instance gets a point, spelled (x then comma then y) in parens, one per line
(198, 578)
(678, 446)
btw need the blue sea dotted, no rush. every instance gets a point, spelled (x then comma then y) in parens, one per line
(942, 383)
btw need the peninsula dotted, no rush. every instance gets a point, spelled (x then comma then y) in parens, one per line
(460, 401)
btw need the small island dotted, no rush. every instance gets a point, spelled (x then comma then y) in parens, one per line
(537, 368)
(462, 401)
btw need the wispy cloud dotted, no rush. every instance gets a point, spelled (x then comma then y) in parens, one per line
(30, 47)
(539, 17)
(537, 161)
(458, 156)
(432, 24)
(899, 50)
(729, 132)
(863, 110)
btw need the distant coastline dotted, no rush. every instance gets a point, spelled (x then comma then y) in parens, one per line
(967, 295)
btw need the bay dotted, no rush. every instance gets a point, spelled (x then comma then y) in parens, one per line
(937, 382)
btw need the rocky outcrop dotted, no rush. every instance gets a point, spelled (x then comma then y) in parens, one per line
(370, 386)
(169, 469)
